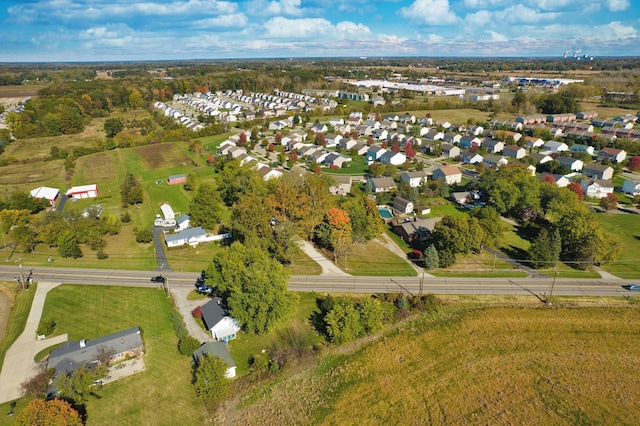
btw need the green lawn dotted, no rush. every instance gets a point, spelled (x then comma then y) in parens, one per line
(373, 259)
(357, 166)
(150, 397)
(21, 305)
(303, 265)
(626, 229)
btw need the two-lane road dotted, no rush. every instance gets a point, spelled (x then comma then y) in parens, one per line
(415, 285)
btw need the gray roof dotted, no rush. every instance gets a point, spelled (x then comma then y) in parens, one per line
(185, 234)
(213, 312)
(72, 356)
(177, 176)
(420, 225)
(218, 349)
(383, 182)
(597, 167)
(182, 218)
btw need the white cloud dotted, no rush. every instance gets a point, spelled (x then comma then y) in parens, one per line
(430, 12)
(494, 36)
(478, 19)
(236, 20)
(621, 31)
(280, 27)
(520, 14)
(481, 4)
(618, 5)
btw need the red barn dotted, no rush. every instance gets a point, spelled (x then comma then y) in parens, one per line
(176, 179)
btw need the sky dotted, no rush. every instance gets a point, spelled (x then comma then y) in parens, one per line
(129, 30)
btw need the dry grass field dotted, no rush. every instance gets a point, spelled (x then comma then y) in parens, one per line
(19, 91)
(162, 156)
(500, 365)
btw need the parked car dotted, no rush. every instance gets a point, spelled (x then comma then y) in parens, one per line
(157, 279)
(632, 287)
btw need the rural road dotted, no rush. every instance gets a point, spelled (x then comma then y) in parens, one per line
(318, 283)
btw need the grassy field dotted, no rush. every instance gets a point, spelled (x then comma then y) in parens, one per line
(373, 259)
(626, 229)
(502, 365)
(19, 91)
(357, 166)
(87, 312)
(20, 307)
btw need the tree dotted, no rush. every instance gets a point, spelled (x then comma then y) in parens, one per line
(610, 202)
(370, 315)
(113, 126)
(52, 412)
(431, 258)
(343, 323)
(545, 249)
(457, 234)
(634, 163)
(68, 245)
(143, 235)
(366, 223)
(77, 385)
(188, 345)
(205, 207)
(577, 189)
(253, 284)
(209, 380)
(494, 228)
(336, 232)
(135, 99)
(191, 183)
(130, 191)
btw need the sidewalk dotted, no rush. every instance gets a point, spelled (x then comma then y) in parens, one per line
(19, 366)
(328, 267)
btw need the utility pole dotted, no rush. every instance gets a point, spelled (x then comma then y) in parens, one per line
(553, 283)
(166, 280)
(22, 277)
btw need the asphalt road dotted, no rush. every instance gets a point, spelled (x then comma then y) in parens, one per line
(437, 285)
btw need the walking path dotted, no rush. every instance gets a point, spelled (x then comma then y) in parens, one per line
(19, 366)
(605, 275)
(328, 267)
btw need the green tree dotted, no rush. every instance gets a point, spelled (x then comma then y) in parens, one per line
(366, 223)
(457, 234)
(130, 191)
(343, 323)
(52, 412)
(135, 99)
(188, 345)
(431, 258)
(113, 126)
(204, 208)
(78, 385)
(494, 228)
(143, 235)
(209, 380)
(192, 183)
(540, 251)
(68, 245)
(253, 284)
(370, 315)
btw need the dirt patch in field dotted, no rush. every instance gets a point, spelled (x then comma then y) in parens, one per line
(163, 155)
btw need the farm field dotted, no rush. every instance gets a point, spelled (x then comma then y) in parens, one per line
(87, 312)
(514, 364)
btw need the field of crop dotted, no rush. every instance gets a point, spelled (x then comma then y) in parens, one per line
(502, 365)
(149, 397)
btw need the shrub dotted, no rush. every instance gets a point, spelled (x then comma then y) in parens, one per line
(259, 364)
(143, 235)
(125, 217)
(188, 345)
(46, 328)
(102, 255)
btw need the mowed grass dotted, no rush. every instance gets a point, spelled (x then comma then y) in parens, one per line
(160, 395)
(20, 306)
(373, 259)
(626, 229)
(502, 365)
(25, 177)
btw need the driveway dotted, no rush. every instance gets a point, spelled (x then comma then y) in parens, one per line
(185, 307)
(62, 202)
(19, 366)
(162, 264)
(328, 267)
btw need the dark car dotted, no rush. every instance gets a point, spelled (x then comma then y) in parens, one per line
(158, 279)
(632, 287)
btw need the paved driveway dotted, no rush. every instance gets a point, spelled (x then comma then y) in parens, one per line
(19, 366)
(158, 245)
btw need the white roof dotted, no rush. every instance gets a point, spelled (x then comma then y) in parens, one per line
(45, 192)
(167, 211)
(83, 188)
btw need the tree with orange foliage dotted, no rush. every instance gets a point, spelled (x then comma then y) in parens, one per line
(53, 412)
(575, 187)
(335, 232)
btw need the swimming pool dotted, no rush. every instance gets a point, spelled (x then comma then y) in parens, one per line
(385, 213)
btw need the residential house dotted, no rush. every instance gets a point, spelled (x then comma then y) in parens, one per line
(380, 134)
(541, 158)
(360, 148)
(470, 141)
(382, 184)
(403, 206)
(515, 135)
(83, 191)
(514, 151)
(576, 147)
(450, 151)
(417, 229)
(183, 221)
(596, 188)
(432, 134)
(319, 128)
(598, 171)
(460, 198)
(336, 121)
(216, 349)
(46, 193)
(631, 187)
(333, 139)
(450, 174)
(574, 164)
(469, 157)
(613, 154)
(216, 320)
(560, 180)
(335, 160)
(191, 236)
(224, 147)
(452, 138)
(374, 153)
(475, 130)
(414, 179)
(268, 173)
(494, 161)
(348, 143)
(395, 158)
(533, 142)
(341, 185)
(555, 146)
(73, 355)
(586, 115)
(493, 146)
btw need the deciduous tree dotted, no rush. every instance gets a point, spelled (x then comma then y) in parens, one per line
(209, 380)
(52, 412)
(204, 209)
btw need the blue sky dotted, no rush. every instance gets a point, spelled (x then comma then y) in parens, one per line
(101, 30)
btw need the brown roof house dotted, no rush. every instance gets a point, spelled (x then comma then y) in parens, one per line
(417, 229)
(450, 174)
(403, 206)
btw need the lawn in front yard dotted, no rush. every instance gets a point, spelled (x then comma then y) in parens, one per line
(623, 227)
(374, 259)
(149, 397)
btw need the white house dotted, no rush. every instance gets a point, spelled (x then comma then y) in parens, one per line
(596, 170)
(374, 153)
(555, 146)
(46, 193)
(333, 139)
(395, 158)
(541, 158)
(574, 164)
(514, 151)
(220, 350)
(222, 327)
(469, 157)
(191, 236)
(414, 179)
(450, 174)
(533, 142)
(382, 184)
(613, 154)
(183, 221)
(596, 188)
(402, 205)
